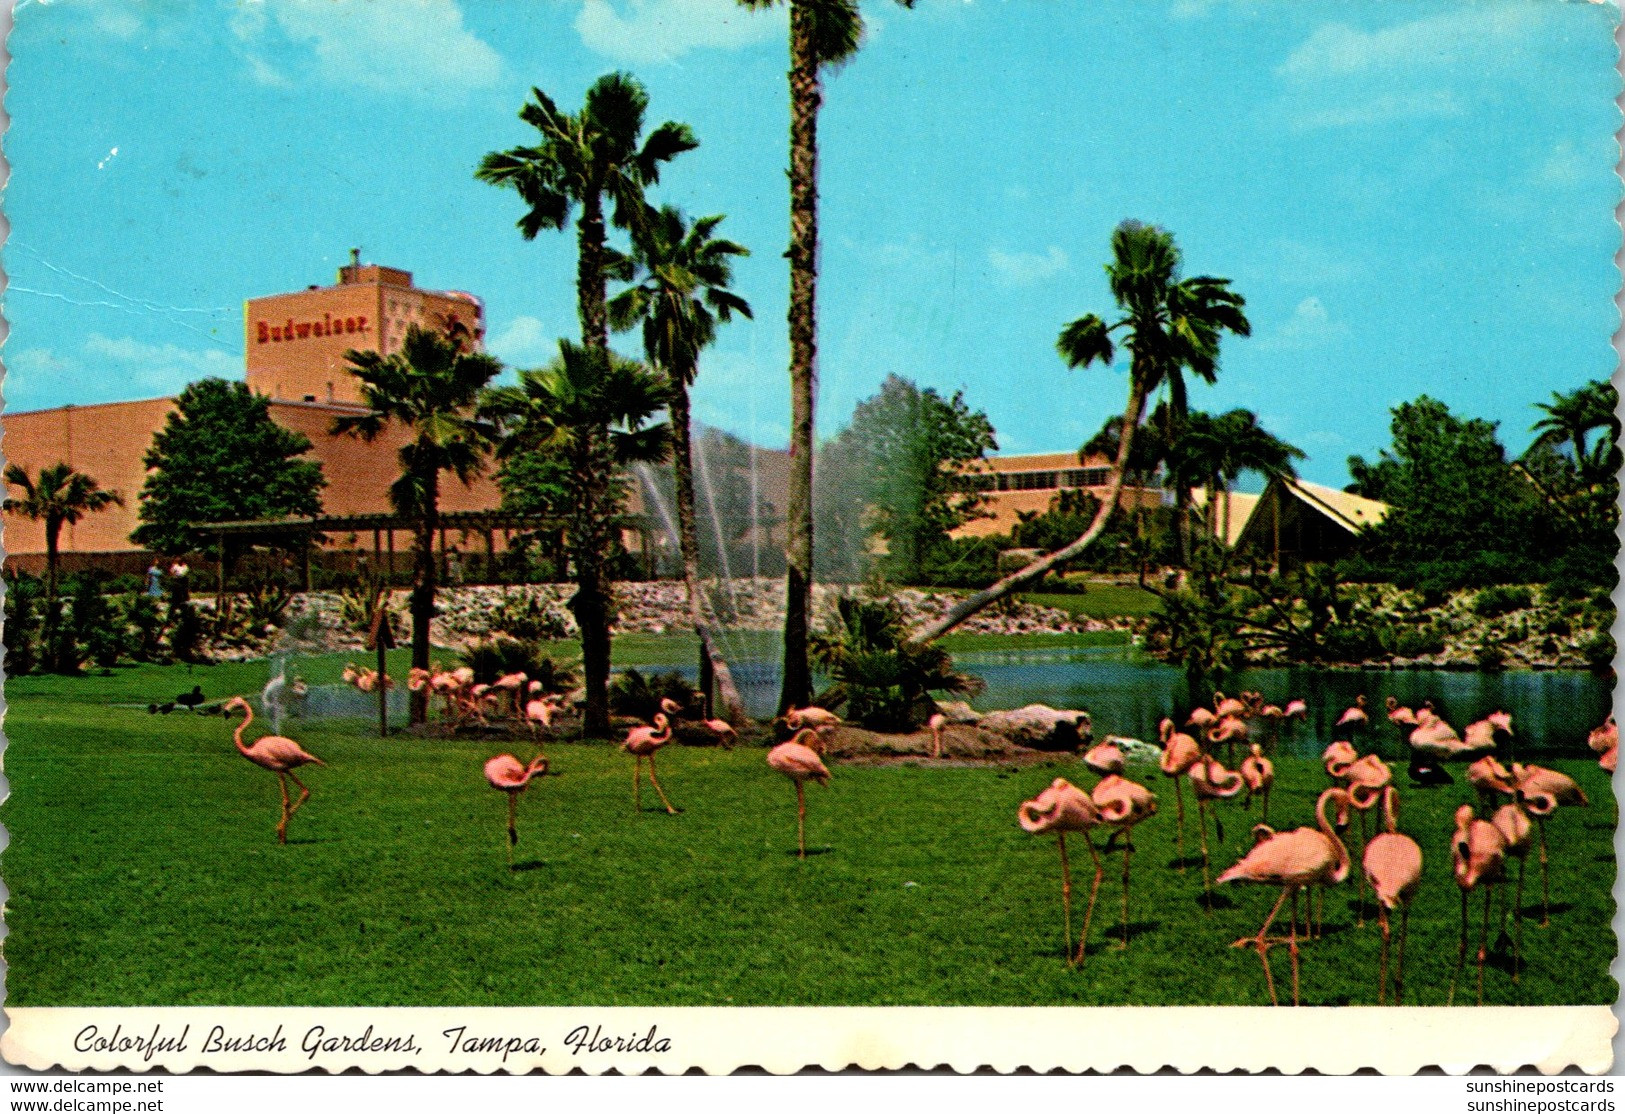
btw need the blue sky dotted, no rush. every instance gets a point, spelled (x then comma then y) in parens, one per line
(1413, 197)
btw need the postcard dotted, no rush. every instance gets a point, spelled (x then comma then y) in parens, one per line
(695, 534)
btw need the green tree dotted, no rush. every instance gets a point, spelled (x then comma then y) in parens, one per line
(59, 497)
(908, 454)
(428, 389)
(682, 292)
(579, 163)
(593, 408)
(1218, 449)
(823, 34)
(1169, 325)
(221, 458)
(1571, 418)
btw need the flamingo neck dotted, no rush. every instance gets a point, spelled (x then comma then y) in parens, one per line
(248, 718)
(1390, 809)
(1339, 852)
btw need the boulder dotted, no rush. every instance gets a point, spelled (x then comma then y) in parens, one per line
(1040, 727)
(957, 711)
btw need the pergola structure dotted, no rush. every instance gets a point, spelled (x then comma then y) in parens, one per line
(291, 530)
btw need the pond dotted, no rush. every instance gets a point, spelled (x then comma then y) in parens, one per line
(1128, 694)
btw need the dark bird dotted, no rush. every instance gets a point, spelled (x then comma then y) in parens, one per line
(1426, 773)
(191, 699)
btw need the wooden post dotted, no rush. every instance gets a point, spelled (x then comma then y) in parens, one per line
(382, 638)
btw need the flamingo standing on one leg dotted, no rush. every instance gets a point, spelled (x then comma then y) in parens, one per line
(1229, 730)
(1211, 782)
(1258, 775)
(724, 731)
(279, 755)
(642, 742)
(1513, 824)
(1355, 717)
(1478, 858)
(1179, 753)
(1062, 808)
(1122, 804)
(798, 760)
(937, 722)
(507, 774)
(1292, 860)
(1392, 863)
(1541, 791)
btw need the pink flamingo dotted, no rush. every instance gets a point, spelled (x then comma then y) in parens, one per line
(1437, 739)
(1292, 860)
(1366, 780)
(724, 732)
(1605, 741)
(817, 718)
(514, 685)
(1482, 734)
(1478, 858)
(540, 712)
(1295, 709)
(1104, 758)
(1356, 716)
(1179, 753)
(1121, 804)
(1609, 759)
(1338, 758)
(1200, 718)
(798, 760)
(279, 755)
(1228, 706)
(642, 742)
(937, 722)
(507, 774)
(1392, 863)
(1062, 808)
(1541, 791)
(1399, 715)
(1513, 824)
(1489, 778)
(1211, 782)
(1258, 775)
(1229, 730)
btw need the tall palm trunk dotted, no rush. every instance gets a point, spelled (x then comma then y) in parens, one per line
(804, 102)
(970, 605)
(53, 538)
(733, 708)
(590, 530)
(425, 582)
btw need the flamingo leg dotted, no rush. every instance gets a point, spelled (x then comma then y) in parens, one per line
(1517, 921)
(801, 825)
(1382, 962)
(304, 794)
(1128, 849)
(1461, 952)
(1066, 900)
(1094, 890)
(1207, 886)
(1399, 961)
(1292, 946)
(513, 827)
(1261, 943)
(1545, 892)
(637, 783)
(655, 781)
(1266, 816)
(1179, 799)
(1360, 899)
(1483, 939)
(282, 825)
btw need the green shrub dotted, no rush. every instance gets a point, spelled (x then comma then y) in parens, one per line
(633, 694)
(1599, 652)
(1492, 602)
(24, 596)
(531, 618)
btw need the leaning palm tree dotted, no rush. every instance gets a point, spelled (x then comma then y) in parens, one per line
(579, 163)
(592, 407)
(682, 295)
(429, 389)
(1169, 325)
(823, 33)
(60, 497)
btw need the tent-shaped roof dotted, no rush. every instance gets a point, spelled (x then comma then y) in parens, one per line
(1307, 522)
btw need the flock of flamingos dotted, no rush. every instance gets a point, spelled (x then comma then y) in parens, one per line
(1517, 798)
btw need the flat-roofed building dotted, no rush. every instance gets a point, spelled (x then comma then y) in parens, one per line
(1027, 483)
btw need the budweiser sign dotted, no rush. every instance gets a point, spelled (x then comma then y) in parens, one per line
(290, 329)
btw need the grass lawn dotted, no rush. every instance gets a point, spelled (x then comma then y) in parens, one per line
(1101, 601)
(143, 871)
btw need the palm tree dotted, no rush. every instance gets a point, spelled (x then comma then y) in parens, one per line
(60, 497)
(593, 407)
(1216, 450)
(429, 388)
(1572, 417)
(683, 294)
(822, 33)
(1169, 325)
(580, 162)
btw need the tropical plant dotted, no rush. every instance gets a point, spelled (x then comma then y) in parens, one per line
(884, 680)
(428, 389)
(633, 694)
(1217, 449)
(580, 162)
(530, 618)
(1169, 325)
(681, 294)
(594, 408)
(24, 595)
(59, 497)
(823, 34)
(501, 656)
(1571, 418)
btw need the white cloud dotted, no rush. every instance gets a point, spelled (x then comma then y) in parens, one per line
(397, 46)
(523, 342)
(114, 367)
(1310, 326)
(1383, 108)
(1465, 35)
(1022, 268)
(647, 31)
